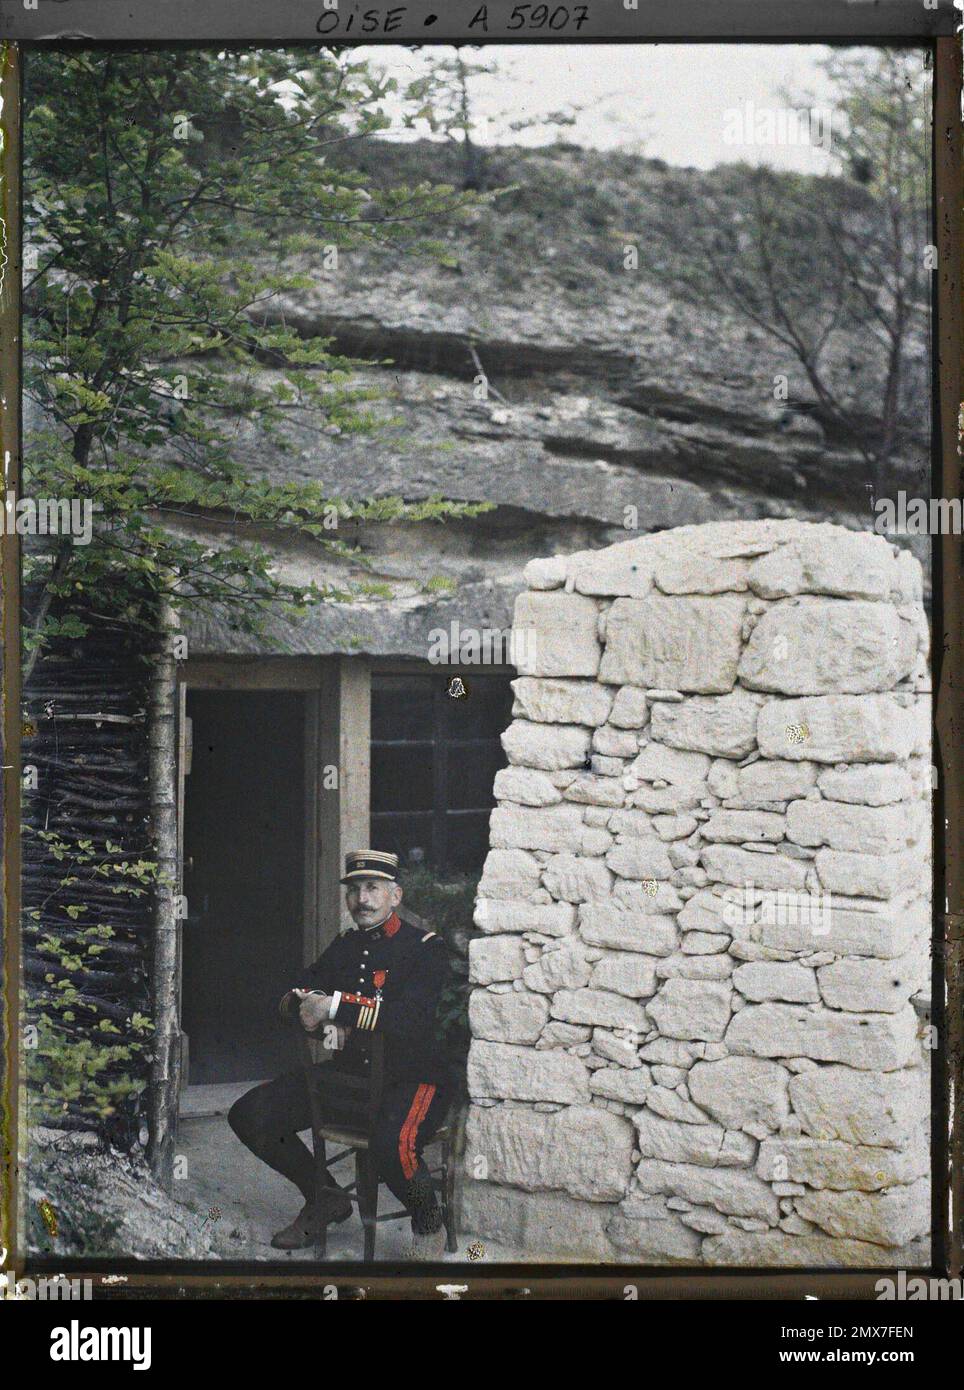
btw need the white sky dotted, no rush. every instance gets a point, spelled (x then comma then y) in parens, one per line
(669, 101)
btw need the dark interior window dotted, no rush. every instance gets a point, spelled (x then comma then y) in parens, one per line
(434, 759)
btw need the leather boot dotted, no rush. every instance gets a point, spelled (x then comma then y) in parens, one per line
(303, 1231)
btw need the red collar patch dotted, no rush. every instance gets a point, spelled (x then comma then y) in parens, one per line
(389, 927)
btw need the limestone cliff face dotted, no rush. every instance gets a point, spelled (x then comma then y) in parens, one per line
(613, 408)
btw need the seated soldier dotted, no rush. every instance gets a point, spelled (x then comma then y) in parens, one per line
(386, 978)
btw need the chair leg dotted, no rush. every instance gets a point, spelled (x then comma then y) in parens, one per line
(448, 1199)
(321, 1179)
(367, 1187)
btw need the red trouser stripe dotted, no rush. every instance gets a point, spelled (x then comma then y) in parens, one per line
(406, 1139)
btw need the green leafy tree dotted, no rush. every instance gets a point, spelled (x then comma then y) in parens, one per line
(445, 97)
(167, 198)
(833, 268)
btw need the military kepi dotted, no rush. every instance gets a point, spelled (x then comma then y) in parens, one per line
(370, 863)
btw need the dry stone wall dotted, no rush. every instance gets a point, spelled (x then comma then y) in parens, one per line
(705, 913)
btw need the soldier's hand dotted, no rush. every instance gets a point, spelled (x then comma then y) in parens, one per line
(313, 1009)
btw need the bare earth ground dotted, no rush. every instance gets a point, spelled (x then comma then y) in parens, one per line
(224, 1205)
(254, 1202)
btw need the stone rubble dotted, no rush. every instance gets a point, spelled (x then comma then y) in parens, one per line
(706, 907)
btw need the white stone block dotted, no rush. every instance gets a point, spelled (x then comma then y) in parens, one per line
(727, 864)
(525, 787)
(622, 569)
(624, 972)
(543, 1223)
(582, 1150)
(760, 981)
(563, 968)
(825, 922)
(692, 1009)
(887, 1219)
(868, 784)
(612, 925)
(547, 746)
(823, 1163)
(494, 915)
(837, 729)
(598, 1006)
(862, 829)
(494, 958)
(640, 859)
(775, 779)
(686, 644)
(873, 1042)
(554, 634)
(886, 1109)
(881, 876)
(737, 827)
(827, 647)
(575, 879)
(623, 1051)
(775, 1249)
(728, 1190)
(507, 1018)
(509, 873)
(616, 1083)
(723, 725)
(854, 564)
(589, 790)
(630, 709)
(708, 1145)
(562, 701)
(504, 1072)
(742, 1092)
(877, 986)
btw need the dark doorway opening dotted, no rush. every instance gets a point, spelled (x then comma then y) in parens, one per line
(244, 830)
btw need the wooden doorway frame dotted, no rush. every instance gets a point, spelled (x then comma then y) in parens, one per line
(337, 764)
(337, 739)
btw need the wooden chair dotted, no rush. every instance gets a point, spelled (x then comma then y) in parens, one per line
(363, 1192)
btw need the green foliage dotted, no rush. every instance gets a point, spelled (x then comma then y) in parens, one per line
(444, 98)
(174, 205)
(84, 1059)
(446, 906)
(88, 1075)
(832, 265)
(446, 903)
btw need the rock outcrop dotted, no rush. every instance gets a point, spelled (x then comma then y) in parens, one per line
(583, 402)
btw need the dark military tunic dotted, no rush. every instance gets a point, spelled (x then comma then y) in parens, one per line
(386, 980)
